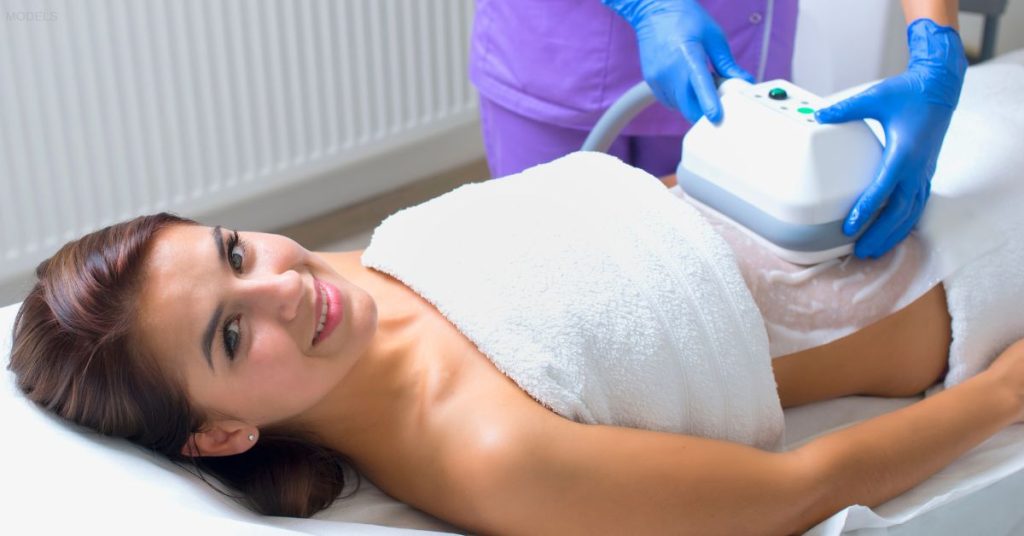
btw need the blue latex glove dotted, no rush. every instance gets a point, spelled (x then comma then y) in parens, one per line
(677, 39)
(914, 109)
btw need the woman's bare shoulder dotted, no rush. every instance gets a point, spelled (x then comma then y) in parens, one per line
(471, 419)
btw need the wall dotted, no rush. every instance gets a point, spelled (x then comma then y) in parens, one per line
(250, 113)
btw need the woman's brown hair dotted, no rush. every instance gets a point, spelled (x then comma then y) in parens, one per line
(75, 354)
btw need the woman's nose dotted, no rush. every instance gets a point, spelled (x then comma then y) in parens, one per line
(280, 294)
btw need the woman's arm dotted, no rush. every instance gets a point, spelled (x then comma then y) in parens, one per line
(588, 478)
(878, 459)
(944, 12)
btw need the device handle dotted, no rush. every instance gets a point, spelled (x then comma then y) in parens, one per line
(621, 112)
(617, 116)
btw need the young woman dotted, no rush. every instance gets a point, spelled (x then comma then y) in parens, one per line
(273, 367)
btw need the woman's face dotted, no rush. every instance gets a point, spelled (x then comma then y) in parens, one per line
(239, 320)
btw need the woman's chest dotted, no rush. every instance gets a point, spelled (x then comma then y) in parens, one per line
(460, 378)
(460, 398)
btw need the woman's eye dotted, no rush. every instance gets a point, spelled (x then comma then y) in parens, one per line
(236, 252)
(237, 257)
(232, 337)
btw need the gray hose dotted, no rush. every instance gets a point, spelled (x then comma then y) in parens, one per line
(622, 112)
(617, 116)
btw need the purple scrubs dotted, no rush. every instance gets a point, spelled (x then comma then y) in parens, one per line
(547, 69)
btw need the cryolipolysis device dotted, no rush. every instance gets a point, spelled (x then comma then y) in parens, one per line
(768, 166)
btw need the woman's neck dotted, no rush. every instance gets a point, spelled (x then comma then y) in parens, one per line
(389, 380)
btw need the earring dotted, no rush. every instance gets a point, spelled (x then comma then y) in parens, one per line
(252, 437)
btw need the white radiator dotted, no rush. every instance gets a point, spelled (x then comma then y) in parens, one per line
(249, 113)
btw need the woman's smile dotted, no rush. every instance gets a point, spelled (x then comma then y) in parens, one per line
(330, 310)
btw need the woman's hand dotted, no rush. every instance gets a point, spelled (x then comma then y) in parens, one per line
(1008, 370)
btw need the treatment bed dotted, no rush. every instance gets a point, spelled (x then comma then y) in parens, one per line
(57, 478)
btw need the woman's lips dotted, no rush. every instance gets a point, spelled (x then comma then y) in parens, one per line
(335, 310)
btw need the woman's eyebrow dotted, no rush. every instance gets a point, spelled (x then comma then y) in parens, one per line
(211, 326)
(211, 329)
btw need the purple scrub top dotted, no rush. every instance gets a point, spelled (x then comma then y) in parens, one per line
(565, 62)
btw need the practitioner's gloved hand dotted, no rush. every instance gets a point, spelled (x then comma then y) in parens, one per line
(677, 40)
(914, 109)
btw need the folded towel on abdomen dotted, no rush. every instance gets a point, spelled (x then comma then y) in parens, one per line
(602, 295)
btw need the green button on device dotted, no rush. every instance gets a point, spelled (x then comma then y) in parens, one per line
(805, 110)
(777, 93)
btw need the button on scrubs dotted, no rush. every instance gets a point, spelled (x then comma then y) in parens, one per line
(546, 70)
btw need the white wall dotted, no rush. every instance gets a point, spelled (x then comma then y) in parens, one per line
(254, 115)
(843, 43)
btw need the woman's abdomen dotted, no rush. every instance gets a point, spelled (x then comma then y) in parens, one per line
(807, 306)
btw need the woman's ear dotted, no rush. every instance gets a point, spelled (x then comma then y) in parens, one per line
(224, 438)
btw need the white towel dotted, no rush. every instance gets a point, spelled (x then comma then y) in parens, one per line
(978, 196)
(602, 295)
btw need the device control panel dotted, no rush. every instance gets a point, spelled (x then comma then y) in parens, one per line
(787, 99)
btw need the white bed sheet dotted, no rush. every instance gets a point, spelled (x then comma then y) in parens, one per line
(58, 478)
(55, 478)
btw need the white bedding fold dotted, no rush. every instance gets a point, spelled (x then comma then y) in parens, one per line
(978, 204)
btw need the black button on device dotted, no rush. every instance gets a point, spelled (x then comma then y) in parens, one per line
(777, 93)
